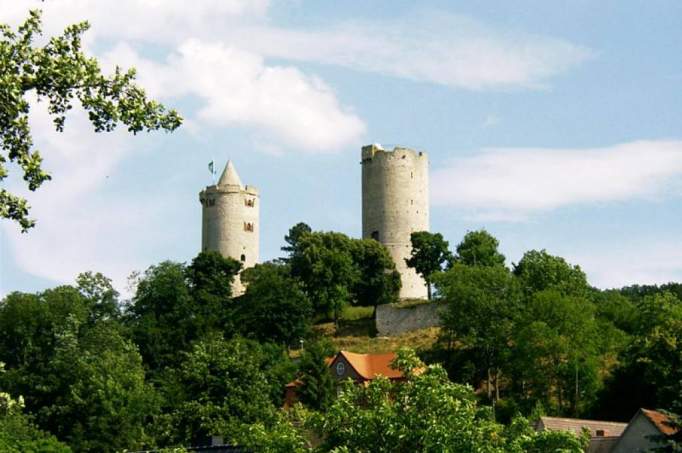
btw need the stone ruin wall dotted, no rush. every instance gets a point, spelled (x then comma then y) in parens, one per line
(392, 320)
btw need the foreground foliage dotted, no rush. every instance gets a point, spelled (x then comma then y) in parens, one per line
(60, 73)
(426, 413)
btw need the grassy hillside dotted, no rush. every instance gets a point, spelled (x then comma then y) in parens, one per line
(357, 333)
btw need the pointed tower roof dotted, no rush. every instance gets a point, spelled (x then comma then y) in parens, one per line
(229, 176)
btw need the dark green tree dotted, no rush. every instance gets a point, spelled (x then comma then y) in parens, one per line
(81, 379)
(31, 326)
(482, 312)
(219, 387)
(538, 271)
(59, 73)
(318, 386)
(324, 264)
(293, 238)
(429, 255)
(210, 278)
(379, 282)
(101, 401)
(479, 248)
(650, 368)
(100, 292)
(161, 315)
(17, 432)
(616, 309)
(556, 355)
(274, 308)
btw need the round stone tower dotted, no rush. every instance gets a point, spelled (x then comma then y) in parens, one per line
(395, 203)
(230, 220)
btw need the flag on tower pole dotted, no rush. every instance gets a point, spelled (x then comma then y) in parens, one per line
(211, 168)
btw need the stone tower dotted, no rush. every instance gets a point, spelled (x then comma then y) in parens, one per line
(230, 225)
(395, 203)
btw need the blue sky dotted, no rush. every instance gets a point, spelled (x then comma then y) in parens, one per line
(552, 124)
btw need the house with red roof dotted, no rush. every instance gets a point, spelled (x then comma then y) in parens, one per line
(613, 437)
(642, 431)
(361, 368)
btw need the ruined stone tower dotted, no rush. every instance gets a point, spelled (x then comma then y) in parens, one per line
(395, 203)
(230, 220)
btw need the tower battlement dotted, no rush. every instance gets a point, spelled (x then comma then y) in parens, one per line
(395, 203)
(375, 151)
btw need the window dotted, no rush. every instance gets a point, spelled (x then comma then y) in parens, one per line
(250, 202)
(248, 226)
(340, 368)
(210, 201)
(375, 235)
(243, 258)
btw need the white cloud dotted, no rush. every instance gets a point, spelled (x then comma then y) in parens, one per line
(436, 47)
(504, 183)
(78, 228)
(155, 21)
(285, 106)
(441, 48)
(237, 88)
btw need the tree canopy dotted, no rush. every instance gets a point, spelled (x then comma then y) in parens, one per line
(479, 248)
(429, 255)
(426, 413)
(60, 73)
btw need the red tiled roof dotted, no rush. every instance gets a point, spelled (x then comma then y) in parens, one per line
(576, 425)
(660, 421)
(369, 366)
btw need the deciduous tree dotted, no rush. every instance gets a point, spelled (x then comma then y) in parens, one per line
(479, 248)
(323, 262)
(60, 73)
(293, 238)
(429, 255)
(538, 270)
(426, 413)
(274, 308)
(379, 282)
(482, 312)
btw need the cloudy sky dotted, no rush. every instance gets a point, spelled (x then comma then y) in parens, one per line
(554, 125)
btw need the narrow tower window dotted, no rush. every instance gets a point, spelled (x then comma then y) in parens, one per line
(250, 202)
(243, 258)
(375, 235)
(248, 226)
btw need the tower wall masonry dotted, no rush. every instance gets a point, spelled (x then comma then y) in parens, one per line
(395, 203)
(230, 223)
